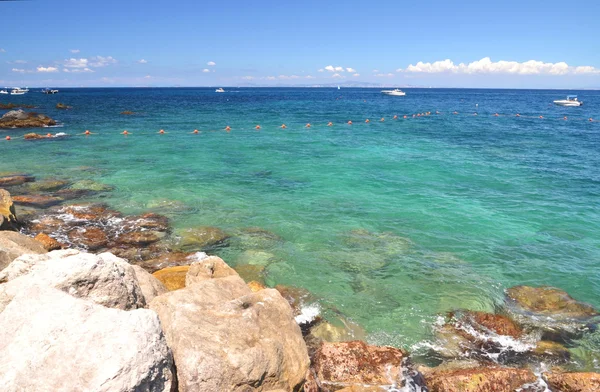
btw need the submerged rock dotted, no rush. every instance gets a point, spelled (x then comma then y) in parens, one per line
(92, 186)
(21, 119)
(255, 238)
(13, 180)
(48, 242)
(483, 379)
(63, 106)
(340, 331)
(385, 242)
(226, 338)
(8, 215)
(13, 245)
(346, 363)
(37, 201)
(47, 185)
(573, 382)
(251, 272)
(256, 257)
(51, 341)
(91, 238)
(202, 238)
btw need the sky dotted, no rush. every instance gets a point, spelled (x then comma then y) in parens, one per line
(487, 44)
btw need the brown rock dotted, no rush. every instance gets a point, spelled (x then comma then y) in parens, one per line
(168, 259)
(355, 362)
(256, 286)
(14, 180)
(8, 216)
(203, 238)
(21, 119)
(296, 296)
(63, 106)
(47, 185)
(33, 136)
(487, 379)
(37, 201)
(343, 331)
(573, 382)
(173, 277)
(138, 255)
(48, 242)
(212, 267)
(549, 301)
(91, 238)
(251, 272)
(91, 212)
(139, 238)
(361, 388)
(150, 286)
(500, 325)
(13, 245)
(127, 113)
(551, 350)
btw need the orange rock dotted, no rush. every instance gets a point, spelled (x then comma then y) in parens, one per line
(37, 201)
(486, 379)
(48, 242)
(91, 238)
(173, 277)
(549, 301)
(256, 286)
(499, 324)
(573, 382)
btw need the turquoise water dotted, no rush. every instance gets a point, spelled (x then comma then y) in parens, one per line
(389, 223)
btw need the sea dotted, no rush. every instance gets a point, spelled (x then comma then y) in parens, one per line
(389, 223)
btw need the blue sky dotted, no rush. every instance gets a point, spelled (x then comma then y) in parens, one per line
(200, 43)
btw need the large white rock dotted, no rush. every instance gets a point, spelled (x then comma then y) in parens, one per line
(226, 338)
(51, 341)
(13, 245)
(104, 278)
(150, 286)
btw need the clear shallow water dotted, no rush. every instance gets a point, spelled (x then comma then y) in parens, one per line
(459, 207)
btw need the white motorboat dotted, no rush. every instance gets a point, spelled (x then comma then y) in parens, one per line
(48, 91)
(570, 101)
(395, 92)
(18, 91)
(219, 90)
(3, 92)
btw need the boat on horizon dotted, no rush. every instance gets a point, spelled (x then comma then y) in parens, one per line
(4, 91)
(48, 91)
(219, 90)
(570, 101)
(395, 92)
(19, 91)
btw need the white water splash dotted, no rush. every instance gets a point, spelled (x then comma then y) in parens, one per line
(308, 314)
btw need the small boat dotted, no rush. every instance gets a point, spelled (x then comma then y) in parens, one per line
(570, 101)
(3, 92)
(219, 90)
(48, 91)
(396, 92)
(338, 87)
(18, 91)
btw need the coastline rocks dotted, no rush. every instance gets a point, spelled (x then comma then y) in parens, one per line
(51, 341)
(333, 333)
(495, 323)
(150, 286)
(226, 338)
(47, 185)
(202, 238)
(37, 201)
(486, 379)
(33, 136)
(573, 382)
(63, 106)
(250, 272)
(140, 238)
(255, 286)
(91, 238)
(8, 215)
(17, 179)
(13, 245)
(172, 277)
(48, 242)
(104, 278)
(171, 259)
(91, 185)
(347, 363)
(21, 119)
(212, 267)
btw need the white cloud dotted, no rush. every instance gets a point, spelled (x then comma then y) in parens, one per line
(74, 50)
(206, 70)
(321, 70)
(75, 63)
(100, 61)
(248, 77)
(330, 68)
(271, 78)
(211, 63)
(350, 70)
(375, 70)
(78, 70)
(487, 66)
(18, 70)
(142, 61)
(356, 74)
(294, 76)
(385, 75)
(336, 69)
(309, 77)
(19, 62)
(47, 69)
(336, 75)
(147, 77)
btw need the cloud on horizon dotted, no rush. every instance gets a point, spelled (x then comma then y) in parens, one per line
(47, 69)
(211, 63)
(95, 62)
(74, 50)
(142, 61)
(487, 66)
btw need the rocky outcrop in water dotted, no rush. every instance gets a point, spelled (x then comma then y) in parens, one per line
(10, 105)
(203, 238)
(8, 215)
(573, 382)
(21, 119)
(480, 379)
(63, 106)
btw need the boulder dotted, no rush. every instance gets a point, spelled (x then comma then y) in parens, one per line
(91, 238)
(226, 338)
(33, 136)
(202, 238)
(255, 238)
(13, 245)
(251, 272)
(14, 180)
(482, 379)
(171, 259)
(8, 215)
(48, 242)
(150, 286)
(148, 221)
(494, 323)
(104, 278)
(573, 382)
(355, 362)
(51, 341)
(256, 257)
(37, 201)
(48, 185)
(551, 351)
(332, 333)
(172, 277)
(255, 286)
(63, 106)
(91, 185)
(21, 119)
(297, 297)
(212, 267)
(139, 238)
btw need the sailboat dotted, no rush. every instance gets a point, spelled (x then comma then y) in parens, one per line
(338, 87)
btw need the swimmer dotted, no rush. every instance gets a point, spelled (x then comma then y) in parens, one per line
(162, 131)
(257, 127)
(395, 116)
(518, 115)
(48, 135)
(349, 122)
(475, 114)
(496, 115)
(195, 131)
(382, 119)
(228, 128)
(308, 125)
(565, 117)
(329, 124)
(437, 112)
(8, 138)
(87, 132)
(541, 116)
(591, 119)
(125, 132)
(404, 116)
(455, 112)
(367, 121)
(283, 126)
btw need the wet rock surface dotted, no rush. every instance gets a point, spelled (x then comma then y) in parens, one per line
(573, 382)
(481, 379)
(172, 277)
(21, 119)
(203, 238)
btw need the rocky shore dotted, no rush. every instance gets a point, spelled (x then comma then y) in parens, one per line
(22, 119)
(93, 299)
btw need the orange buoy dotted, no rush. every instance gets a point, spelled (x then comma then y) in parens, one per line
(125, 132)
(349, 122)
(405, 116)
(382, 119)
(591, 119)
(395, 117)
(48, 135)
(455, 112)
(228, 128)
(195, 131)
(565, 117)
(541, 116)
(496, 115)
(308, 125)
(518, 115)
(87, 132)
(367, 120)
(283, 126)
(329, 124)
(257, 127)
(8, 138)
(161, 131)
